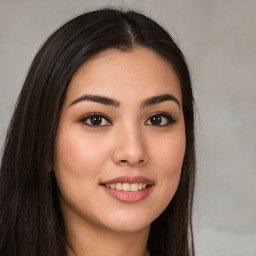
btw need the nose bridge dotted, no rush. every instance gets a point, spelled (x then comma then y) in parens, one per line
(130, 146)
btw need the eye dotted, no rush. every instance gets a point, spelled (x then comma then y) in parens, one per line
(95, 119)
(160, 119)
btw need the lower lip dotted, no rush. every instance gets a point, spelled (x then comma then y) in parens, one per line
(128, 197)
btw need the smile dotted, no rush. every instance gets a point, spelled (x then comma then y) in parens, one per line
(127, 186)
(128, 189)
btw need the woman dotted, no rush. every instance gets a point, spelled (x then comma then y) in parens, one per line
(99, 157)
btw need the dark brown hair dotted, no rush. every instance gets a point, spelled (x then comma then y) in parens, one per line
(31, 223)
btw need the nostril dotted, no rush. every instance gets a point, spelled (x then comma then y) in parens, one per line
(125, 161)
(140, 162)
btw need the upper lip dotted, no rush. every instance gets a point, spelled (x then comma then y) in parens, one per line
(129, 179)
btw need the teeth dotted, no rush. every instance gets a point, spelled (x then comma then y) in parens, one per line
(113, 186)
(134, 187)
(126, 187)
(119, 186)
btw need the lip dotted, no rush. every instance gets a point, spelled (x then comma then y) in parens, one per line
(129, 196)
(129, 179)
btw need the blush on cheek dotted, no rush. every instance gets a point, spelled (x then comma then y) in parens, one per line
(70, 148)
(78, 157)
(172, 158)
(172, 155)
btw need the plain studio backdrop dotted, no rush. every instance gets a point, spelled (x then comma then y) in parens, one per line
(218, 38)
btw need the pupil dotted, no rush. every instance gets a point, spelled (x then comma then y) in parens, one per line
(96, 120)
(156, 120)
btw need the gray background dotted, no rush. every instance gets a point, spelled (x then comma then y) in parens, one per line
(218, 38)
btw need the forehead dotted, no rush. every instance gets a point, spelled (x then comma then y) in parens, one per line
(114, 73)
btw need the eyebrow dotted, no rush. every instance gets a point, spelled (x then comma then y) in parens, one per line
(98, 99)
(158, 99)
(111, 102)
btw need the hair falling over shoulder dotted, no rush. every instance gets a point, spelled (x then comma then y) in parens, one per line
(31, 222)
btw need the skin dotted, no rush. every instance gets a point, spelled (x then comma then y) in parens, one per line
(126, 143)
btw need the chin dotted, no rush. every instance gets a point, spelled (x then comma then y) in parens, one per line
(121, 227)
(128, 222)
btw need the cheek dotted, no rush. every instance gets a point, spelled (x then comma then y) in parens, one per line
(78, 154)
(168, 160)
(77, 166)
(169, 152)
(79, 160)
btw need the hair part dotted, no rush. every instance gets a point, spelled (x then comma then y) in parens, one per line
(31, 222)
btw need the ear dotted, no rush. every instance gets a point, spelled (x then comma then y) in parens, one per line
(50, 169)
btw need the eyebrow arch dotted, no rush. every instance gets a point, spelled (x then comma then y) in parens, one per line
(98, 99)
(111, 102)
(160, 98)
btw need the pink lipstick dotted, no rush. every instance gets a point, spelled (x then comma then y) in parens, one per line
(128, 189)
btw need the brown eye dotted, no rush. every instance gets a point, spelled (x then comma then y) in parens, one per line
(161, 119)
(156, 120)
(95, 120)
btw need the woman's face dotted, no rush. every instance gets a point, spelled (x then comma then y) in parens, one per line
(120, 142)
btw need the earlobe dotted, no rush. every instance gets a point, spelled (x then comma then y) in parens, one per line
(50, 169)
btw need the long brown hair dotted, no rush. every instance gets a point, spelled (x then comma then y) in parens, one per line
(31, 223)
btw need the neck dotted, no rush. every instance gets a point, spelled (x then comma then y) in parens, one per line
(90, 241)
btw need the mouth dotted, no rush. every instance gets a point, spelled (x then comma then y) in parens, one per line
(128, 189)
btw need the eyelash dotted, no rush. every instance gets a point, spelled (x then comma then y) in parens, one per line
(87, 117)
(168, 117)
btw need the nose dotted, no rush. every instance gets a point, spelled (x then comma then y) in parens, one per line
(130, 148)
